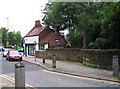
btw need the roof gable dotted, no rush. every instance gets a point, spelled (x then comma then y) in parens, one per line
(36, 31)
(47, 38)
(50, 36)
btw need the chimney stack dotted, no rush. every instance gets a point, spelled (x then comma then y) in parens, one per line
(38, 24)
(57, 28)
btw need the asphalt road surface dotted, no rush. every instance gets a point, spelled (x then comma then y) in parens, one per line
(38, 77)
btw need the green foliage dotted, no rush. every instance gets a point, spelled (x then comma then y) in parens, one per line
(60, 13)
(92, 45)
(110, 33)
(75, 37)
(14, 38)
(100, 21)
(89, 64)
(101, 43)
(4, 37)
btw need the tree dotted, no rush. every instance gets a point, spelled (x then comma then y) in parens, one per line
(4, 36)
(100, 22)
(14, 38)
(11, 39)
(18, 39)
(60, 13)
(110, 33)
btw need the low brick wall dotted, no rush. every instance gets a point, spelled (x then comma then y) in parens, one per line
(94, 57)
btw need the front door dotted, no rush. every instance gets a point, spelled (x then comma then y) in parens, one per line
(31, 50)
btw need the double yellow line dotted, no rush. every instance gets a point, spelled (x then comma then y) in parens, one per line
(13, 81)
(32, 87)
(103, 81)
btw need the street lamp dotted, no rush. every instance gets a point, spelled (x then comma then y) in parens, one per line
(7, 43)
(7, 23)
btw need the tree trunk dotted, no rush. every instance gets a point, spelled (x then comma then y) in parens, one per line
(84, 40)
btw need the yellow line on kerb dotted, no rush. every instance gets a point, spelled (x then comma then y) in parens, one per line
(109, 82)
(13, 80)
(8, 77)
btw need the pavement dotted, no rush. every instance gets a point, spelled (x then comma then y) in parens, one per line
(6, 83)
(74, 68)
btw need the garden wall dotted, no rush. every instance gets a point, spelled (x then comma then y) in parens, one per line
(90, 57)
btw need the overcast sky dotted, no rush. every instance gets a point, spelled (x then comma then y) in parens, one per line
(21, 14)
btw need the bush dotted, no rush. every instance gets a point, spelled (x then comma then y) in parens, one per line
(92, 45)
(80, 59)
(90, 65)
(101, 43)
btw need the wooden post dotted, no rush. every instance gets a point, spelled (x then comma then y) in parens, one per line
(115, 66)
(54, 62)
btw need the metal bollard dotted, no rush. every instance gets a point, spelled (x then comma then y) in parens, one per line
(54, 62)
(19, 76)
(115, 66)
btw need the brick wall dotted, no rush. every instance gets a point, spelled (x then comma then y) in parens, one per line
(100, 58)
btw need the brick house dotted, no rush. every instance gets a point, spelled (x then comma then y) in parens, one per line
(41, 38)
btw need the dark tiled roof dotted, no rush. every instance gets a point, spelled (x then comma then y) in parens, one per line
(48, 37)
(36, 31)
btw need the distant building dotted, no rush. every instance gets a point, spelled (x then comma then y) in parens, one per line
(41, 38)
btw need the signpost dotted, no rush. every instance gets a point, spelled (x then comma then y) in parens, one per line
(35, 49)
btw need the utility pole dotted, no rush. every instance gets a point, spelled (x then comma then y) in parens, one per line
(7, 23)
(7, 43)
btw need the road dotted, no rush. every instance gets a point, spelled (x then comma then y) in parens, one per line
(38, 77)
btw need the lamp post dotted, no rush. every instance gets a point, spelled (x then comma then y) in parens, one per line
(7, 43)
(7, 23)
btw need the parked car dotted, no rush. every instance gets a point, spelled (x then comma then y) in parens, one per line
(5, 52)
(20, 50)
(3, 49)
(14, 55)
(11, 49)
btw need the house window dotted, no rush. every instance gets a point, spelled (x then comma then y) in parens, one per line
(57, 41)
(41, 46)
